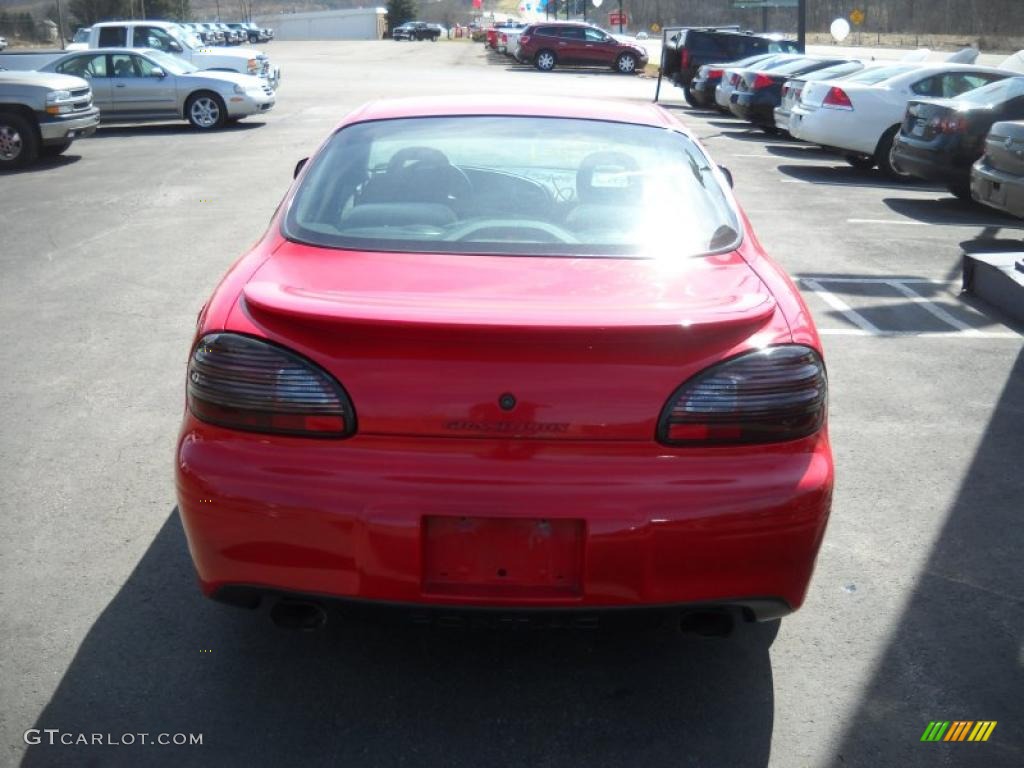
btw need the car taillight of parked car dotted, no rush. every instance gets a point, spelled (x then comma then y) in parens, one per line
(714, 73)
(836, 98)
(761, 81)
(734, 79)
(949, 124)
(770, 395)
(249, 384)
(523, 39)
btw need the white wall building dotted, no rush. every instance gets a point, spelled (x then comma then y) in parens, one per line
(342, 24)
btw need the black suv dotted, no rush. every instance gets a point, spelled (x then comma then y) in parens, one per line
(688, 49)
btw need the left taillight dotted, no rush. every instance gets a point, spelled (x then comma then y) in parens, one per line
(770, 395)
(245, 383)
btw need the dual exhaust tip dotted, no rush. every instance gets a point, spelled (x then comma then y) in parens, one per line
(308, 616)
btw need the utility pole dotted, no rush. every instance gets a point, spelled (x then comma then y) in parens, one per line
(60, 23)
(620, 17)
(801, 24)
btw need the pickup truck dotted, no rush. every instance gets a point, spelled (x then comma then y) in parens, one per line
(174, 39)
(41, 114)
(416, 30)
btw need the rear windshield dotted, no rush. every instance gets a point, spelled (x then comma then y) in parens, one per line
(878, 74)
(995, 93)
(835, 71)
(794, 66)
(512, 185)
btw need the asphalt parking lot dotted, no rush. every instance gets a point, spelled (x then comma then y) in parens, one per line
(916, 611)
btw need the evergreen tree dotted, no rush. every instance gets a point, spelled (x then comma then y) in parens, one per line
(400, 11)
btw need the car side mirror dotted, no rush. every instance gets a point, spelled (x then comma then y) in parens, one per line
(299, 166)
(727, 173)
(174, 46)
(157, 72)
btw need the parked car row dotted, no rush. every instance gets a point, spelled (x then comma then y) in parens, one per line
(41, 112)
(949, 122)
(549, 44)
(229, 33)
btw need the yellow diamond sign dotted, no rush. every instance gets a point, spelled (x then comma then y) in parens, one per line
(857, 17)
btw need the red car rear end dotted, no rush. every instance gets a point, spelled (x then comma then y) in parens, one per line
(406, 394)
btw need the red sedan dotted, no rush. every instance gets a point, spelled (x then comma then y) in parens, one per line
(514, 354)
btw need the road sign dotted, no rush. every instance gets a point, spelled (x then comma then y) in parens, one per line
(618, 18)
(857, 16)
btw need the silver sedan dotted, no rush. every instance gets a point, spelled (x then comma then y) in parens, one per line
(133, 85)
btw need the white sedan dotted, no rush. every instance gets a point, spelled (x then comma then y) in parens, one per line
(860, 115)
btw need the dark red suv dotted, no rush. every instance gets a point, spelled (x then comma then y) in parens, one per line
(550, 44)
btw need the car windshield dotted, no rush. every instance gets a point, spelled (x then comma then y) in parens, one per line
(515, 185)
(995, 93)
(171, 64)
(187, 37)
(81, 36)
(878, 74)
(783, 46)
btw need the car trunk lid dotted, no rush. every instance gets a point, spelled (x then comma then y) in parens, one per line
(588, 348)
(1005, 147)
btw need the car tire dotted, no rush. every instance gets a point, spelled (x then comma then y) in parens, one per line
(52, 150)
(626, 64)
(206, 111)
(545, 60)
(19, 144)
(883, 155)
(860, 162)
(253, 39)
(688, 95)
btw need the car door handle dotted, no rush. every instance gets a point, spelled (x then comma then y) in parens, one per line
(119, 85)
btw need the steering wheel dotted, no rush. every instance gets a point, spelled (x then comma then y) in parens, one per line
(428, 168)
(553, 233)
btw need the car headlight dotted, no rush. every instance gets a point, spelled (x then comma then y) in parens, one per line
(55, 105)
(239, 89)
(252, 66)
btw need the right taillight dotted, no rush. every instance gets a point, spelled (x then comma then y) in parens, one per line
(524, 39)
(246, 383)
(836, 98)
(714, 73)
(769, 395)
(684, 58)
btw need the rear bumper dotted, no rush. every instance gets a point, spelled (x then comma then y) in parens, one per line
(59, 129)
(999, 190)
(753, 108)
(832, 128)
(703, 91)
(781, 116)
(945, 167)
(345, 519)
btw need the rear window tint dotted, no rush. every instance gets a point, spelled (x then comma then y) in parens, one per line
(878, 74)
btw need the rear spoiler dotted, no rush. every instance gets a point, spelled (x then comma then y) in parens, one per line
(1014, 62)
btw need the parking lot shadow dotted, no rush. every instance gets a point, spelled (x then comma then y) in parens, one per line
(161, 659)
(848, 176)
(120, 130)
(954, 653)
(803, 151)
(951, 210)
(44, 164)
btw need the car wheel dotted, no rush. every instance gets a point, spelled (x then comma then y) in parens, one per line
(626, 64)
(884, 155)
(253, 39)
(860, 162)
(52, 150)
(18, 142)
(688, 95)
(206, 111)
(545, 61)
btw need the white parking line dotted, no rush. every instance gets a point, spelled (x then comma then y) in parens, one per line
(959, 329)
(920, 334)
(842, 307)
(903, 222)
(934, 309)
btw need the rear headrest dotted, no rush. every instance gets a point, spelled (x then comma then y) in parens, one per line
(608, 177)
